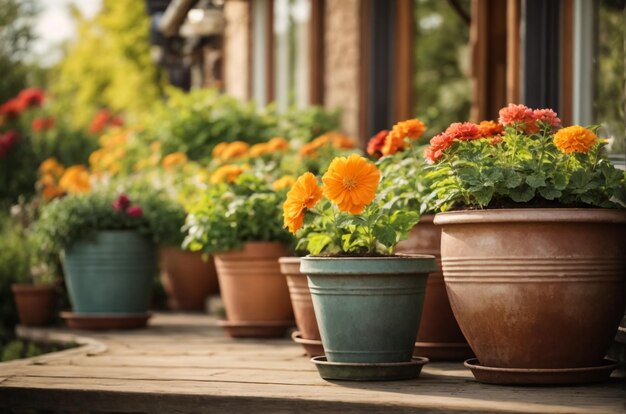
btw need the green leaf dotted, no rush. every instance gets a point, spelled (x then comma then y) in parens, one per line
(386, 235)
(536, 180)
(512, 179)
(549, 193)
(522, 194)
(317, 243)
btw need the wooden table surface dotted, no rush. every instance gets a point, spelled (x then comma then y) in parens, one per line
(184, 364)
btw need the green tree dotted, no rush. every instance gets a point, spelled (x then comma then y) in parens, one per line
(17, 18)
(109, 63)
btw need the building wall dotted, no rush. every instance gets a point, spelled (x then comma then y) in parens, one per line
(342, 61)
(236, 49)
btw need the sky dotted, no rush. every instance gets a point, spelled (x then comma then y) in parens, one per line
(55, 26)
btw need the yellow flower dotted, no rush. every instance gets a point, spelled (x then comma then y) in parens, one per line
(283, 182)
(575, 139)
(75, 180)
(351, 183)
(51, 166)
(227, 173)
(305, 193)
(95, 158)
(113, 140)
(155, 146)
(174, 159)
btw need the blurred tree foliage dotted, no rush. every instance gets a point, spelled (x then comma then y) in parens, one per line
(17, 19)
(109, 63)
(442, 87)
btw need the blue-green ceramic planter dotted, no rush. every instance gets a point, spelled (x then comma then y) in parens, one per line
(111, 273)
(368, 309)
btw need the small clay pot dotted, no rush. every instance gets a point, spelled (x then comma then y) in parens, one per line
(35, 303)
(187, 278)
(252, 286)
(300, 298)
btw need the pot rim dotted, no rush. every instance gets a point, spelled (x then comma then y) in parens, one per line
(402, 264)
(289, 260)
(31, 287)
(532, 215)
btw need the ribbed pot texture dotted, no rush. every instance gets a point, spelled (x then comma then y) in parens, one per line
(35, 303)
(190, 278)
(368, 309)
(252, 286)
(111, 273)
(438, 324)
(300, 298)
(536, 288)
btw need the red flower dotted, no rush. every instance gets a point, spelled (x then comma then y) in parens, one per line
(520, 117)
(134, 211)
(463, 131)
(376, 143)
(42, 124)
(121, 203)
(11, 109)
(7, 140)
(116, 121)
(438, 143)
(100, 121)
(30, 97)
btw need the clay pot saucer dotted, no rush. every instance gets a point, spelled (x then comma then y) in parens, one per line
(105, 321)
(312, 347)
(354, 371)
(444, 351)
(551, 376)
(255, 329)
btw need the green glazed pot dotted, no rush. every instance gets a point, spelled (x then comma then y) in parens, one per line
(368, 309)
(111, 273)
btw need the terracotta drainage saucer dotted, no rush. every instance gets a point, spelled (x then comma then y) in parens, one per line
(105, 321)
(444, 351)
(550, 376)
(312, 347)
(354, 371)
(255, 329)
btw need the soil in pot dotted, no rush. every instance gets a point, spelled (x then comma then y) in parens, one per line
(35, 303)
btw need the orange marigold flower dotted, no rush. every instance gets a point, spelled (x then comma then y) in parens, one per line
(219, 149)
(351, 183)
(174, 159)
(490, 128)
(278, 144)
(438, 143)
(258, 150)
(396, 140)
(575, 139)
(52, 191)
(227, 173)
(234, 150)
(305, 193)
(283, 182)
(464, 131)
(51, 166)
(75, 180)
(376, 143)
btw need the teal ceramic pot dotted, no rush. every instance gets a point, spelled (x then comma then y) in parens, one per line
(111, 273)
(368, 309)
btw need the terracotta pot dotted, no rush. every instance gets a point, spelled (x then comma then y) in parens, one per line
(300, 298)
(439, 335)
(536, 288)
(35, 303)
(188, 279)
(253, 289)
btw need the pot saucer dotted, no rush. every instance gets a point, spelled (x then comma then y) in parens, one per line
(550, 376)
(255, 329)
(443, 351)
(354, 371)
(105, 321)
(312, 347)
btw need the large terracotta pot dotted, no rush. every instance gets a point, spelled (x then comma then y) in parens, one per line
(300, 297)
(439, 336)
(188, 279)
(254, 291)
(536, 288)
(35, 303)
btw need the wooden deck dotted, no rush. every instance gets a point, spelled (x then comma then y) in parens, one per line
(185, 364)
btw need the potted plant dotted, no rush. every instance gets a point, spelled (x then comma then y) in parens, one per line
(238, 221)
(533, 251)
(367, 301)
(107, 242)
(439, 336)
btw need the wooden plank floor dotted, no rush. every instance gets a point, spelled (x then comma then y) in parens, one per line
(185, 364)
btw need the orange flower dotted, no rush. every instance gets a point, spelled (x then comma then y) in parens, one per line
(278, 144)
(283, 182)
(575, 139)
(51, 166)
(174, 159)
(75, 180)
(351, 183)
(305, 193)
(376, 143)
(395, 141)
(258, 150)
(490, 128)
(219, 149)
(234, 150)
(227, 173)
(52, 191)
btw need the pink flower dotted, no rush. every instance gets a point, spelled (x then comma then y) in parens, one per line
(547, 117)
(464, 131)
(121, 203)
(134, 211)
(7, 140)
(520, 117)
(438, 143)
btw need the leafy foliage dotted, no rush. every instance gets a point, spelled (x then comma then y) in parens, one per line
(230, 214)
